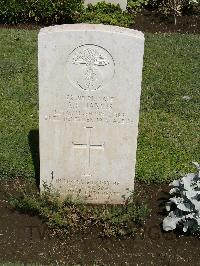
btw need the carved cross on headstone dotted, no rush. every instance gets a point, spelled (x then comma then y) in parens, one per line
(88, 145)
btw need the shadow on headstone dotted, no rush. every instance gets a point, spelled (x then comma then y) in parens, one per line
(34, 148)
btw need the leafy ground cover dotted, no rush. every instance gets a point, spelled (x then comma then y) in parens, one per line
(71, 215)
(169, 117)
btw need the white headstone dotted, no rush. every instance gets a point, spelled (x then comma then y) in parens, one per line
(89, 88)
(122, 3)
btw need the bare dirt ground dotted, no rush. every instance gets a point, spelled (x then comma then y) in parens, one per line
(154, 23)
(26, 239)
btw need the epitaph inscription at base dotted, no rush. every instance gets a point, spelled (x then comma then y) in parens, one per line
(89, 88)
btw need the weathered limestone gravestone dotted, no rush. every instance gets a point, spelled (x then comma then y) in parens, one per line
(89, 89)
(122, 3)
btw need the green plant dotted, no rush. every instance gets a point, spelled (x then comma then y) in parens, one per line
(136, 5)
(70, 215)
(173, 7)
(40, 11)
(48, 12)
(176, 7)
(153, 4)
(106, 13)
(184, 205)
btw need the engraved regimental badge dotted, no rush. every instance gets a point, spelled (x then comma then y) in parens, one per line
(89, 67)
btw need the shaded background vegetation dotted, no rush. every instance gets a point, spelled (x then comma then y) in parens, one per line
(49, 12)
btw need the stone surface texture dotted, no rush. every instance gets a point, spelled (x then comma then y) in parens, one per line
(122, 3)
(89, 89)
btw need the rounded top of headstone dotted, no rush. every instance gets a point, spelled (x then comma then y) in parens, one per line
(92, 27)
